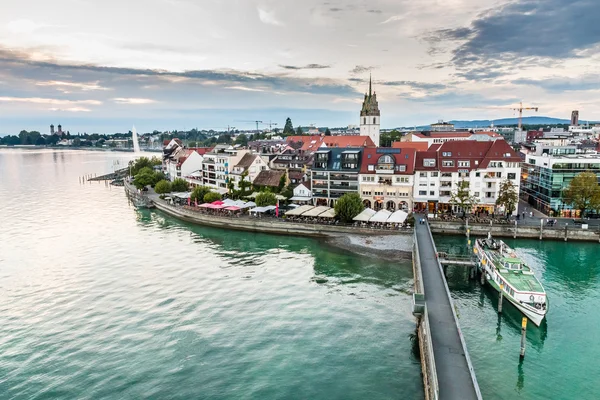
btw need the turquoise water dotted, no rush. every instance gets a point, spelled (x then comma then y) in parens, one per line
(562, 359)
(100, 301)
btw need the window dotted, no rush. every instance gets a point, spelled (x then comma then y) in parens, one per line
(464, 163)
(422, 193)
(476, 194)
(429, 162)
(432, 193)
(447, 163)
(445, 193)
(512, 175)
(401, 168)
(371, 168)
(489, 194)
(431, 183)
(374, 120)
(422, 183)
(401, 179)
(434, 174)
(445, 153)
(477, 174)
(476, 162)
(498, 174)
(489, 185)
(364, 121)
(423, 174)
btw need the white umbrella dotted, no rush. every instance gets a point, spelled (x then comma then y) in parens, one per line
(398, 217)
(365, 215)
(381, 216)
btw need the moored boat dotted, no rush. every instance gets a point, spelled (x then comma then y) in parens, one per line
(505, 271)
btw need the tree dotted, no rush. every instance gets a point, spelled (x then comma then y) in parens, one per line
(199, 192)
(327, 132)
(282, 182)
(244, 184)
(288, 129)
(180, 185)
(137, 165)
(583, 192)
(211, 196)
(265, 199)
(242, 140)
(162, 187)
(462, 197)
(349, 206)
(508, 197)
(77, 142)
(299, 131)
(144, 178)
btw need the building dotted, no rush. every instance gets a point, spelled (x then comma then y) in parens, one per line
(370, 116)
(575, 118)
(442, 126)
(386, 178)
(547, 172)
(51, 129)
(309, 144)
(483, 164)
(302, 193)
(442, 137)
(253, 164)
(269, 179)
(418, 146)
(334, 173)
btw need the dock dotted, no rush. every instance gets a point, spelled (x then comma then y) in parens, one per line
(447, 369)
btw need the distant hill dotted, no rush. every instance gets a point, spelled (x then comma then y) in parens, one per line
(507, 121)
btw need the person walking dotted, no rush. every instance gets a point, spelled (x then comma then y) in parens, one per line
(523, 215)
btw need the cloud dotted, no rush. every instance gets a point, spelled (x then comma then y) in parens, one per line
(307, 66)
(246, 89)
(71, 109)
(131, 100)
(79, 85)
(414, 85)
(360, 69)
(393, 18)
(41, 100)
(22, 26)
(268, 17)
(562, 84)
(525, 33)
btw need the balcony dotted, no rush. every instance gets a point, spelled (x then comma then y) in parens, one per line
(319, 176)
(344, 187)
(341, 177)
(320, 186)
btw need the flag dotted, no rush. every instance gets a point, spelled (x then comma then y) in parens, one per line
(189, 201)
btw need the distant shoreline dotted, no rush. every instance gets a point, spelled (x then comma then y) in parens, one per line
(36, 147)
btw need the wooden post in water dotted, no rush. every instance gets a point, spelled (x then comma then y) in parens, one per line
(566, 225)
(500, 298)
(523, 336)
(541, 227)
(483, 261)
(515, 235)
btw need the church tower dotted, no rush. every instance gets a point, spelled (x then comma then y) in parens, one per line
(370, 115)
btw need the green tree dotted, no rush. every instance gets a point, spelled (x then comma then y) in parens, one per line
(211, 196)
(282, 182)
(299, 131)
(327, 132)
(462, 197)
(244, 184)
(144, 178)
(230, 186)
(508, 197)
(199, 192)
(76, 142)
(583, 192)
(242, 140)
(348, 206)
(137, 165)
(288, 129)
(265, 199)
(162, 187)
(180, 185)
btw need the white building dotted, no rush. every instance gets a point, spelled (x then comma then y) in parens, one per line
(442, 137)
(302, 193)
(370, 117)
(252, 163)
(484, 165)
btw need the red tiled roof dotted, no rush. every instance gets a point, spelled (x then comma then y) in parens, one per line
(422, 155)
(405, 156)
(438, 135)
(201, 150)
(313, 142)
(419, 146)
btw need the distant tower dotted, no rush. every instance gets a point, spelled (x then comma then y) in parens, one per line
(52, 129)
(370, 115)
(60, 129)
(575, 118)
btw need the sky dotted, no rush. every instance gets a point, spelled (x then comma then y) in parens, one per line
(104, 66)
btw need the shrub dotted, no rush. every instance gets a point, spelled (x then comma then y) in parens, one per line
(199, 192)
(211, 196)
(349, 206)
(265, 199)
(162, 187)
(180, 185)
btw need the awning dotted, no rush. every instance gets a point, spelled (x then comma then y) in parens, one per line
(328, 214)
(280, 197)
(220, 190)
(248, 204)
(205, 205)
(182, 195)
(300, 198)
(232, 208)
(398, 217)
(299, 210)
(381, 216)
(217, 203)
(262, 209)
(365, 215)
(316, 211)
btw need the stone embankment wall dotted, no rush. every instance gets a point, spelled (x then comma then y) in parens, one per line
(269, 225)
(533, 232)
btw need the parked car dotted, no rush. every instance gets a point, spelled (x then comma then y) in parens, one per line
(579, 221)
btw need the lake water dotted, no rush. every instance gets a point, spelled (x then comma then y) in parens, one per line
(101, 301)
(562, 359)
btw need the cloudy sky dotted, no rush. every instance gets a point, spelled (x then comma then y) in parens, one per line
(102, 66)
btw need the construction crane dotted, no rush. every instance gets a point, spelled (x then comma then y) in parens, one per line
(520, 110)
(255, 122)
(270, 124)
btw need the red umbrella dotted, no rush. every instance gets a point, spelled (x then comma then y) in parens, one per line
(217, 203)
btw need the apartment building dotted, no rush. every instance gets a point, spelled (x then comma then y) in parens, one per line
(386, 178)
(483, 165)
(335, 173)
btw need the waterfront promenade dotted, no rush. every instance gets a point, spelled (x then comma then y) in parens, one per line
(455, 375)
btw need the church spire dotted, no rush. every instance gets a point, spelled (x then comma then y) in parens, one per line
(370, 93)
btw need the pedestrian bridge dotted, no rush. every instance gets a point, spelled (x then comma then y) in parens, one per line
(447, 369)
